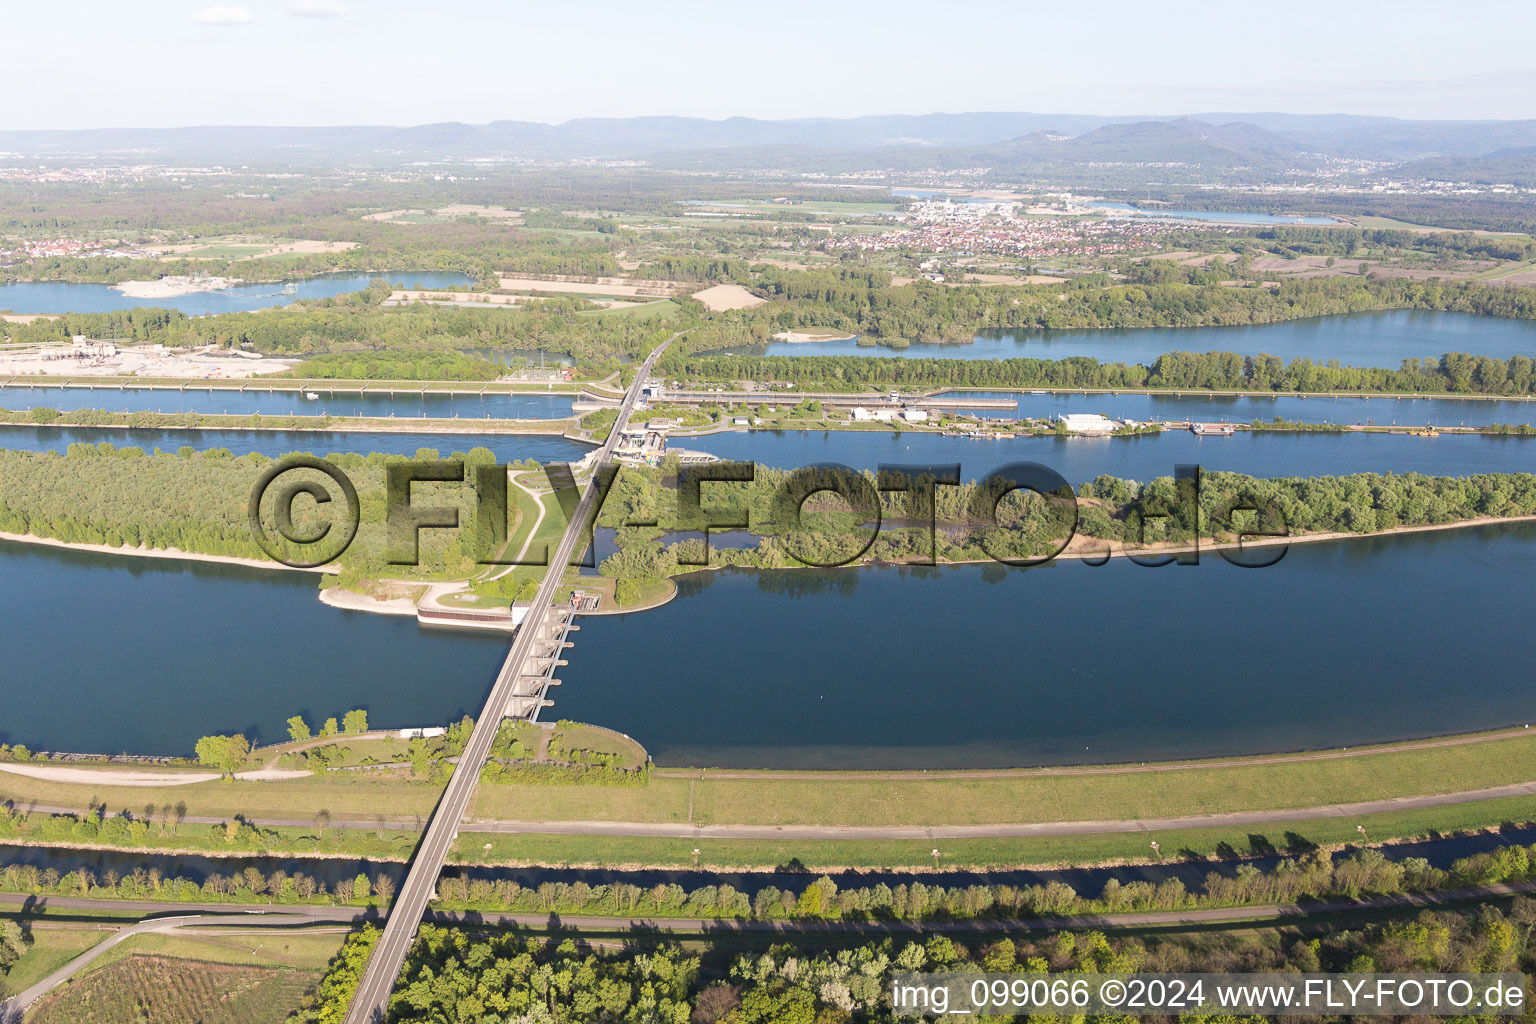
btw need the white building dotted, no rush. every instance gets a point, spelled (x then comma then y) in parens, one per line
(914, 415)
(863, 415)
(1089, 423)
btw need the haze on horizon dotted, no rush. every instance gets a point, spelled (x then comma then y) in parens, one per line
(168, 63)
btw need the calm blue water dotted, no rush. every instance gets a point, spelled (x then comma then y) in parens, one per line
(1265, 454)
(542, 448)
(1079, 459)
(289, 403)
(1367, 339)
(68, 297)
(835, 669)
(1387, 411)
(926, 193)
(1216, 216)
(177, 650)
(974, 666)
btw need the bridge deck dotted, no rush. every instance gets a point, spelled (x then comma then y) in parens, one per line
(372, 999)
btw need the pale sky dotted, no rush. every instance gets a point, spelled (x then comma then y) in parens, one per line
(161, 63)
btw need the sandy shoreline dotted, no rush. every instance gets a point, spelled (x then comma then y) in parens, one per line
(166, 287)
(352, 601)
(397, 606)
(114, 777)
(171, 553)
(801, 337)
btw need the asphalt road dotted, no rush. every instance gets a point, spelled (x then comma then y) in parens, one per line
(372, 997)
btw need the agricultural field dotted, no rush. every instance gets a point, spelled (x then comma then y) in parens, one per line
(172, 990)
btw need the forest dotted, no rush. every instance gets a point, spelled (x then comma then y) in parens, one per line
(455, 975)
(863, 301)
(196, 501)
(832, 530)
(1453, 373)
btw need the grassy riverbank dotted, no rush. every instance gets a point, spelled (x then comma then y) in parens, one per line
(1290, 788)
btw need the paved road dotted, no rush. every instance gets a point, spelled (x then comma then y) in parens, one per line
(421, 880)
(12, 1010)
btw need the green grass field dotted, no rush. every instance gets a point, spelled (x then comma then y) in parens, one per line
(1051, 851)
(51, 949)
(642, 311)
(865, 798)
(225, 252)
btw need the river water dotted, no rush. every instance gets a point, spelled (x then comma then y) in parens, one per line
(1440, 853)
(1403, 636)
(965, 666)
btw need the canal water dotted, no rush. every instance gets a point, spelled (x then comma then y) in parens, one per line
(27, 297)
(967, 666)
(543, 448)
(1366, 339)
(1441, 853)
(1384, 411)
(289, 403)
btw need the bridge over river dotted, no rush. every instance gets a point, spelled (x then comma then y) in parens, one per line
(519, 689)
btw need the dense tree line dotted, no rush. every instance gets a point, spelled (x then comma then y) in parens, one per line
(196, 502)
(351, 325)
(396, 366)
(249, 885)
(848, 298)
(456, 976)
(1453, 373)
(1108, 509)
(1301, 876)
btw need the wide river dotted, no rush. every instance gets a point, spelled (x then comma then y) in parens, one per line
(1368, 339)
(974, 665)
(798, 668)
(28, 297)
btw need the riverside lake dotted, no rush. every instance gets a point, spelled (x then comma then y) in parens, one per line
(44, 297)
(803, 668)
(1365, 339)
